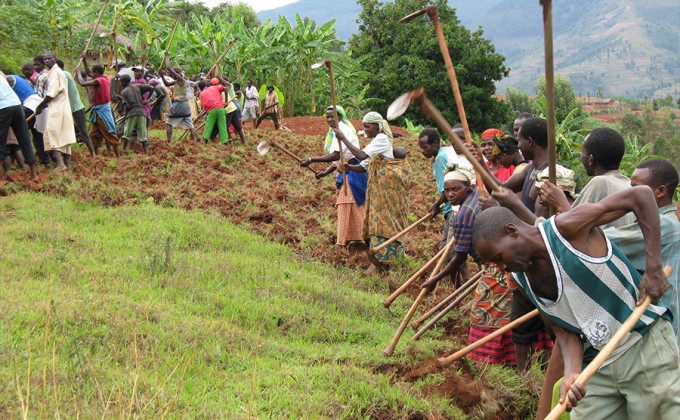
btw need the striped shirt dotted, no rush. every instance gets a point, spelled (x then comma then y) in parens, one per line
(595, 295)
(463, 221)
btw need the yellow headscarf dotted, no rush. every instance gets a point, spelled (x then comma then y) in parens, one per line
(342, 115)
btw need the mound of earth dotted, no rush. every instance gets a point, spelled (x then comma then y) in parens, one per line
(270, 195)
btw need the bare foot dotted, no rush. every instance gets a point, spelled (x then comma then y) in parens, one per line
(60, 168)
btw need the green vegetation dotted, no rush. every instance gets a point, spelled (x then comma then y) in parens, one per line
(402, 57)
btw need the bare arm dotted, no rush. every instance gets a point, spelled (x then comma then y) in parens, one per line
(571, 348)
(42, 105)
(331, 157)
(83, 82)
(166, 81)
(87, 69)
(451, 268)
(577, 226)
(554, 196)
(178, 77)
(436, 208)
(358, 153)
(516, 181)
(329, 170)
(510, 200)
(354, 168)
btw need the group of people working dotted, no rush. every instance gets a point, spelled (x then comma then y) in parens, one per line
(372, 184)
(581, 269)
(585, 269)
(44, 101)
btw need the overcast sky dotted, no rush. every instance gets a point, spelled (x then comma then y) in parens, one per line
(257, 5)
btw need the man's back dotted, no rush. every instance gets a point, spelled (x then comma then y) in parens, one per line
(133, 101)
(601, 186)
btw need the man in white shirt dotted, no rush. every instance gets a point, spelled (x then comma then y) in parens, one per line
(252, 105)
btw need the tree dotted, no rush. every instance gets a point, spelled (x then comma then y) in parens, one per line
(565, 98)
(632, 125)
(402, 57)
(519, 101)
(229, 12)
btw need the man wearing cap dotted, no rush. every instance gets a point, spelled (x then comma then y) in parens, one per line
(213, 105)
(252, 105)
(271, 108)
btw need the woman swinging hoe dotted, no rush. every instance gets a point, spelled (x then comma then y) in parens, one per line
(387, 192)
(351, 198)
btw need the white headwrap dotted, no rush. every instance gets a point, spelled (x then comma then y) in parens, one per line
(375, 118)
(458, 173)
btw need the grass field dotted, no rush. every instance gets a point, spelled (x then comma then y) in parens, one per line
(150, 312)
(202, 282)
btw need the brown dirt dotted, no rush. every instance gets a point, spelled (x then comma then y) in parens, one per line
(271, 194)
(315, 126)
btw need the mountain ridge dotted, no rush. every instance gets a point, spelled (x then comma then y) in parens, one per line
(626, 47)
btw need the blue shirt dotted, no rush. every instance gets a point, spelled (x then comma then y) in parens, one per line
(439, 168)
(463, 221)
(22, 88)
(7, 96)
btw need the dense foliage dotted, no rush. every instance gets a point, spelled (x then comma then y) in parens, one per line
(280, 53)
(402, 57)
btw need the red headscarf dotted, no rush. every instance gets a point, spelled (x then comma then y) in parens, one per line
(488, 134)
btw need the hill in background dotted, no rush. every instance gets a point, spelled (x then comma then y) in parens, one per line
(629, 48)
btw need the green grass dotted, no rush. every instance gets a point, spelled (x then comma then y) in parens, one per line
(143, 311)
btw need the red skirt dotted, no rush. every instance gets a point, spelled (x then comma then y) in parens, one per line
(499, 350)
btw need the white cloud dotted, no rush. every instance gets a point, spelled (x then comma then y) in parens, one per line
(257, 5)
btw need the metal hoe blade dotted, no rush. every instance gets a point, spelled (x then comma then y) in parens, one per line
(399, 106)
(319, 64)
(413, 15)
(263, 147)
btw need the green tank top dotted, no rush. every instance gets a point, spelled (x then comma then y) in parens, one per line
(180, 91)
